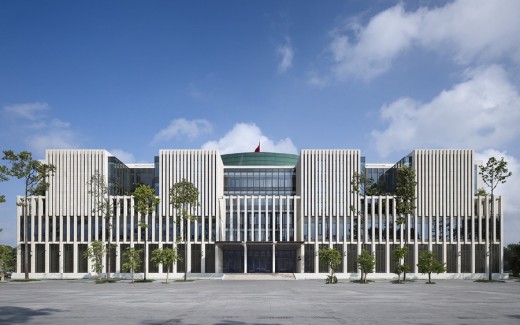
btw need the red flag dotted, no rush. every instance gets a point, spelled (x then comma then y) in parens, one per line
(258, 148)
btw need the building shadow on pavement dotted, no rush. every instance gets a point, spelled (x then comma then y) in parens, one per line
(21, 315)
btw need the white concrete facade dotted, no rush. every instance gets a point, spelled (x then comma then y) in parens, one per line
(280, 232)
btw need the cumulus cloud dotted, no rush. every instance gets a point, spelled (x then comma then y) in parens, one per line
(183, 127)
(244, 137)
(286, 54)
(30, 111)
(465, 31)
(124, 156)
(481, 112)
(509, 192)
(38, 131)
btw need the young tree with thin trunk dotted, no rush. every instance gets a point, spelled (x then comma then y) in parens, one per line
(131, 260)
(429, 264)
(166, 257)
(184, 197)
(405, 204)
(7, 258)
(401, 267)
(95, 253)
(332, 258)
(34, 174)
(493, 173)
(145, 204)
(103, 206)
(366, 263)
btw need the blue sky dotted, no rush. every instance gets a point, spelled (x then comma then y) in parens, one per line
(385, 77)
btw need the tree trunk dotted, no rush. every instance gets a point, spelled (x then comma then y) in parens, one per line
(107, 225)
(185, 249)
(429, 277)
(26, 244)
(490, 237)
(167, 274)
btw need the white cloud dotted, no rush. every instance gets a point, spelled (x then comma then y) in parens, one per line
(509, 192)
(286, 54)
(480, 33)
(481, 112)
(244, 137)
(52, 139)
(124, 156)
(183, 127)
(29, 111)
(37, 130)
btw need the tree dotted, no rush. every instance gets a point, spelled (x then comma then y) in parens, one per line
(3, 178)
(7, 259)
(512, 258)
(493, 173)
(96, 252)
(428, 263)
(405, 193)
(184, 197)
(34, 174)
(145, 204)
(405, 203)
(366, 264)
(103, 206)
(166, 257)
(332, 258)
(481, 192)
(131, 260)
(401, 267)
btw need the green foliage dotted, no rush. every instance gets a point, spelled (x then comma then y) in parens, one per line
(481, 192)
(332, 258)
(7, 260)
(366, 263)
(184, 197)
(166, 257)
(95, 252)
(131, 260)
(405, 192)
(512, 258)
(360, 183)
(102, 206)
(399, 254)
(494, 172)
(145, 202)
(429, 264)
(34, 173)
(3, 178)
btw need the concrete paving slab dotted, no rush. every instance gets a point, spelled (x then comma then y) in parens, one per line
(259, 302)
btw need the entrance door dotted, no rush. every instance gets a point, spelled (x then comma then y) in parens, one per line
(259, 261)
(233, 261)
(286, 261)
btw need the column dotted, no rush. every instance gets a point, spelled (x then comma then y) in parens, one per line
(245, 256)
(274, 257)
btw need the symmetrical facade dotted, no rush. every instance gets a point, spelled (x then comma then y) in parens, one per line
(263, 212)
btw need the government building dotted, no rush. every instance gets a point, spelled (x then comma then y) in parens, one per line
(263, 212)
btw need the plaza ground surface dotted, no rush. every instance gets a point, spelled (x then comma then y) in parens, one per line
(259, 302)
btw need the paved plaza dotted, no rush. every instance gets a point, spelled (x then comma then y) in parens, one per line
(248, 302)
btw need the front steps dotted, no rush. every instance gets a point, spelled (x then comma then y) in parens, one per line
(259, 276)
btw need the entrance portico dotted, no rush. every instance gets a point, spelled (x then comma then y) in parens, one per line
(259, 257)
